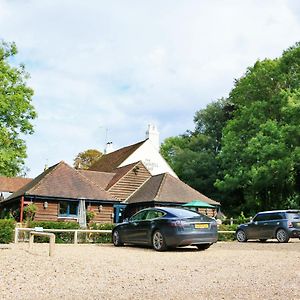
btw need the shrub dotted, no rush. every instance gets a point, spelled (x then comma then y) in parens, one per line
(30, 211)
(98, 237)
(60, 237)
(226, 236)
(6, 231)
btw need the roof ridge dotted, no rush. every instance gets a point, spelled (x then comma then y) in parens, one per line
(161, 184)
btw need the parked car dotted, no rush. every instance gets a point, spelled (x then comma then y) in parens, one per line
(166, 227)
(279, 224)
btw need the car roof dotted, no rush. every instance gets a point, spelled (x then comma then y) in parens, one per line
(280, 211)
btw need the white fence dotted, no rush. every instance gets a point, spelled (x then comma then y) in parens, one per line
(75, 231)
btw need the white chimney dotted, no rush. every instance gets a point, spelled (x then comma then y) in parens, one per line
(109, 148)
(153, 135)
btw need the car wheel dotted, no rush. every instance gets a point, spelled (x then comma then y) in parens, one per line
(241, 236)
(158, 241)
(202, 247)
(116, 239)
(282, 236)
(262, 240)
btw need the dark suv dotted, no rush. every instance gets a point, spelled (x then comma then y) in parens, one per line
(279, 224)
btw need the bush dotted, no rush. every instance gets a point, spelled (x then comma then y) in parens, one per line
(60, 237)
(68, 237)
(6, 231)
(97, 237)
(226, 236)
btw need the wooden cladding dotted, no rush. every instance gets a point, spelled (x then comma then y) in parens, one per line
(103, 213)
(46, 214)
(130, 182)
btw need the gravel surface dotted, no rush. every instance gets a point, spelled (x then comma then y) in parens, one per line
(227, 270)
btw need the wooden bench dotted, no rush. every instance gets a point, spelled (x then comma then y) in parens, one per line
(47, 234)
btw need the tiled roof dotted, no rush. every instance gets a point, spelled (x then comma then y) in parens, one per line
(109, 162)
(100, 178)
(120, 172)
(63, 181)
(12, 184)
(166, 188)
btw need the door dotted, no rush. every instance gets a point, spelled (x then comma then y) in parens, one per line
(136, 227)
(257, 227)
(118, 213)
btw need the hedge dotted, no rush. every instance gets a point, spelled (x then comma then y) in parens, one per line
(7, 227)
(227, 236)
(60, 237)
(68, 237)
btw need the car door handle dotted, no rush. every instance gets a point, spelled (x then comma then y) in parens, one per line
(265, 223)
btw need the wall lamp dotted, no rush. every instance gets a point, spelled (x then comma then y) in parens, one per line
(45, 204)
(100, 207)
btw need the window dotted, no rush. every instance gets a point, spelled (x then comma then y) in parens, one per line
(139, 216)
(260, 217)
(154, 214)
(68, 209)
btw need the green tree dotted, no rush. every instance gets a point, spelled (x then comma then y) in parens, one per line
(260, 145)
(16, 112)
(86, 158)
(193, 154)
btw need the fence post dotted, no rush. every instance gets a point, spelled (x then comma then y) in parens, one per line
(16, 235)
(75, 237)
(231, 221)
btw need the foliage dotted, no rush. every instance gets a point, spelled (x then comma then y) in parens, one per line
(16, 112)
(226, 236)
(193, 155)
(90, 215)
(68, 237)
(6, 231)
(245, 150)
(30, 211)
(84, 160)
(260, 145)
(61, 237)
(101, 237)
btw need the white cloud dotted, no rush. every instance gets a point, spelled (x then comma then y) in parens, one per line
(122, 64)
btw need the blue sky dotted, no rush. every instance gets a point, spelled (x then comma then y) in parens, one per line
(116, 66)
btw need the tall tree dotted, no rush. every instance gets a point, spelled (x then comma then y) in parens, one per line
(260, 145)
(86, 158)
(16, 112)
(193, 154)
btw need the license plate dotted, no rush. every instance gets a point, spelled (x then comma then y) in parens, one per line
(201, 225)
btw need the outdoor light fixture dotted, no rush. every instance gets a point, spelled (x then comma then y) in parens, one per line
(100, 207)
(45, 204)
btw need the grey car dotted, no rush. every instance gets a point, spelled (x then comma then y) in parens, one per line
(279, 224)
(167, 227)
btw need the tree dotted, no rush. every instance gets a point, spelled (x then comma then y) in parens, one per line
(193, 154)
(16, 112)
(260, 145)
(86, 158)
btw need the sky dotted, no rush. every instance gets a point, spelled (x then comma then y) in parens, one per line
(103, 70)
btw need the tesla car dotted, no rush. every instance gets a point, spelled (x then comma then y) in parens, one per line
(166, 227)
(279, 224)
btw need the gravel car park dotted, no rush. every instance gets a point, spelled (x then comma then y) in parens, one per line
(229, 270)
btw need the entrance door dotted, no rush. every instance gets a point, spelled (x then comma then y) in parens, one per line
(119, 213)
